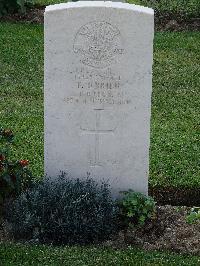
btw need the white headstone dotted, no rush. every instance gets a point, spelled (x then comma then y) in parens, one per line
(98, 82)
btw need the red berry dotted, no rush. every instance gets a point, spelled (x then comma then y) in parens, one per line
(2, 157)
(24, 163)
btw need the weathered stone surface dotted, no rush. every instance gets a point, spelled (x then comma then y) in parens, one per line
(98, 71)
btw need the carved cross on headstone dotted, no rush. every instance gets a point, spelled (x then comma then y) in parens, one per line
(97, 131)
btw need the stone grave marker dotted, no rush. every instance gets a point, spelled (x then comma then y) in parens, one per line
(98, 83)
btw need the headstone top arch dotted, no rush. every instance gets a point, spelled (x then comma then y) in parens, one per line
(108, 4)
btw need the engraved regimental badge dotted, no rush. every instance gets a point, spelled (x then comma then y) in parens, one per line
(98, 44)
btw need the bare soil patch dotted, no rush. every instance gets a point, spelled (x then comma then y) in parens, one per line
(167, 21)
(181, 196)
(33, 15)
(168, 231)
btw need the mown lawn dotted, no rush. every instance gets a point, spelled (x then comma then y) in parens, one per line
(19, 255)
(175, 126)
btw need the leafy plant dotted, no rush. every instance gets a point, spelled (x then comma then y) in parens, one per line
(63, 211)
(189, 8)
(194, 215)
(136, 208)
(14, 174)
(11, 6)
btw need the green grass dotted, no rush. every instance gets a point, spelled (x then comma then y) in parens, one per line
(19, 255)
(176, 110)
(175, 126)
(21, 89)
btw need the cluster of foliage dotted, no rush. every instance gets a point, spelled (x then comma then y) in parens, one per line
(194, 215)
(63, 211)
(189, 8)
(14, 174)
(11, 6)
(136, 208)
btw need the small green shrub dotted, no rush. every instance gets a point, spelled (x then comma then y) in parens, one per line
(63, 211)
(14, 174)
(194, 215)
(136, 208)
(188, 8)
(11, 6)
